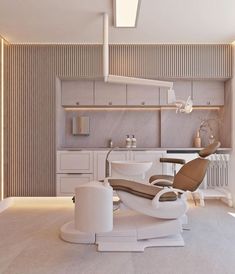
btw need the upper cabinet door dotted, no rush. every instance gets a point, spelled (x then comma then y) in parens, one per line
(208, 93)
(142, 95)
(77, 93)
(183, 89)
(109, 94)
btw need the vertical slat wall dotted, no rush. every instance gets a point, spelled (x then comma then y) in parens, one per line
(30, 86)
(32, 71)
(171, 61)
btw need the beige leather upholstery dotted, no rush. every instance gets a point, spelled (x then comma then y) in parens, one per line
(190, 176)
(162, 177)
(192, 173)
(172, 161)
(209, 149)
(141, 190)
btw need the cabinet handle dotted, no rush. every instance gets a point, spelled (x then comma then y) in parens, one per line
(143, 103)
(208, 102)
(77, 103)
(110, 103)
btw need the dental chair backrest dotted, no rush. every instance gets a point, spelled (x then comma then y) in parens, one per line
(191, 175)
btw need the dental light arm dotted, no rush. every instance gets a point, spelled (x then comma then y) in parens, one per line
(181, 105)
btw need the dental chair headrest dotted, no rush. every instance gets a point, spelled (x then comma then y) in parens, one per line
(209, 149)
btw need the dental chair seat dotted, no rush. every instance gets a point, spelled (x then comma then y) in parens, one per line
(164, 210)
(142, 198)
(142, 190)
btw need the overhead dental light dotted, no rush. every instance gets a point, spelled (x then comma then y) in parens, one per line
(126, 13)
(123, 79)
(181, 105)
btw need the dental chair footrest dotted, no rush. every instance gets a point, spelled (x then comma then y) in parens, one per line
(139, 246)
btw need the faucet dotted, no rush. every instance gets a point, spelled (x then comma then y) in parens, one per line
(107, 162)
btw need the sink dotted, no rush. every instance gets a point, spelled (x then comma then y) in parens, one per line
(130, 168)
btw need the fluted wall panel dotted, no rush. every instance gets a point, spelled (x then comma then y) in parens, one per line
(30, 86)
(172, 61)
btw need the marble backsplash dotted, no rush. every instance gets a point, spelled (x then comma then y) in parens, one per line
(152, 128)
(115, 124)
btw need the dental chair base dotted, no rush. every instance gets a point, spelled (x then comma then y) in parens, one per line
(139, 223)
(132, 231)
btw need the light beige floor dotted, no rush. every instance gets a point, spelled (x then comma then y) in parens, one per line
(29, 243)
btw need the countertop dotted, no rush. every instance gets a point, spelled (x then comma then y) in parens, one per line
(167, 149)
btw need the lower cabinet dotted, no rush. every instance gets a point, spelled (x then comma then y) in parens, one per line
(66, 183)
(79, 167)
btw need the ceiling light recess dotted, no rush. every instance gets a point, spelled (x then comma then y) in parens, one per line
(123, 79)
(126, 13)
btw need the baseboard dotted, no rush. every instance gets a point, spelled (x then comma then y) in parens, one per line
(6, 203)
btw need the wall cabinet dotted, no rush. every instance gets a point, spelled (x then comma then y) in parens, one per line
(143, 95)
(203, 93)
(109, 94)
(77, 93)
(208, 93)
(99, 93)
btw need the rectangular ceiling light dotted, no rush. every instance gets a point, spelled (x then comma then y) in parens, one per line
(125, 13)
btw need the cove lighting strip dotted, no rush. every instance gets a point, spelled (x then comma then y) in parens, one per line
(134, 108)
(126, 13)
(2, 119)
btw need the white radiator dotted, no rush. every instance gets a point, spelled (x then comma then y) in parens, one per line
(216, 181)
(218, 170)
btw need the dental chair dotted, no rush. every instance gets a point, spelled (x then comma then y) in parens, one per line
(188, 174)
(149, 215)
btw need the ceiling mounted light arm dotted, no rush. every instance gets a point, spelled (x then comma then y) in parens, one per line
(138, 81)
(123, 79)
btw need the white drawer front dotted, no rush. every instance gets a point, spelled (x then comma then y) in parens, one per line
(75, 162)
(66, 184)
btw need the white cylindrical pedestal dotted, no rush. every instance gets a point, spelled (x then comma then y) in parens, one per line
(94, 207)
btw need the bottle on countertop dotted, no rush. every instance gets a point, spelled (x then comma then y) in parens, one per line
(133, 141)
(128, 141)
(197, 140)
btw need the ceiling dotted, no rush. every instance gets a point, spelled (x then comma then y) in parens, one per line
(80, 21)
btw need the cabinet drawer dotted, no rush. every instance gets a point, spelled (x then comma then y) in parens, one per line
(66, 183)
(75, 162)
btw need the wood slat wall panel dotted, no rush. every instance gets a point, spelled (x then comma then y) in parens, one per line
(172, 61)
(30, 86)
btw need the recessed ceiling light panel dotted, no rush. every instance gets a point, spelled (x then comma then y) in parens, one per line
(126, 13)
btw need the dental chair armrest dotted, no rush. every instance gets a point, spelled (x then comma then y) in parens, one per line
(172, 161)
(162, 182)
(156, 200)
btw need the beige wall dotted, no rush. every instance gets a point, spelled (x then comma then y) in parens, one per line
(31, 72)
